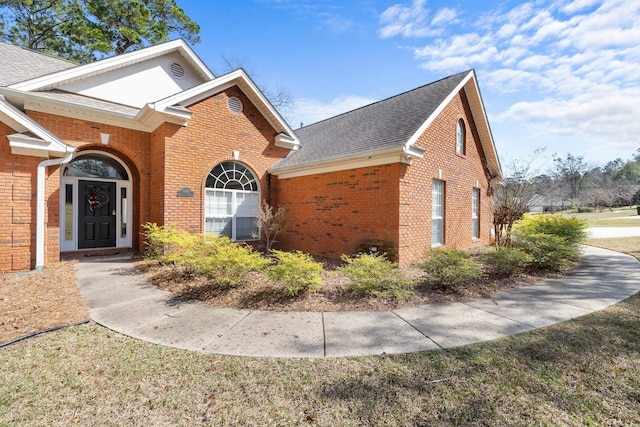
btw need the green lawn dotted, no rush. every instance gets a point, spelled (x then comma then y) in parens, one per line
(582, 372)
(622, 217)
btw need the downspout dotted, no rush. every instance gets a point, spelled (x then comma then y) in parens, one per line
(40, 231)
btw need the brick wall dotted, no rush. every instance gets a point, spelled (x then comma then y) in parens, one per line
(333, 213)
(212, 135)
(460, 173)
(17, 207)
(162, 162)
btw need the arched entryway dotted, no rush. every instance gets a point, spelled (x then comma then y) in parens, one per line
(95, 203)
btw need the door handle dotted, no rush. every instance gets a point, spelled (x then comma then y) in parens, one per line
(113, 212)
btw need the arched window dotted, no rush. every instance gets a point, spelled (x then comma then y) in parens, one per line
(460, 143)
(95, 166)
(232, 201)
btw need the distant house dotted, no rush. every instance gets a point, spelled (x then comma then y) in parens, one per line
(91, 152)
(546, 204)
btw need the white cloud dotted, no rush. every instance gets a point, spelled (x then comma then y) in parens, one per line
(444, 16)
(410, 21)
(308, 111)
(571, 69)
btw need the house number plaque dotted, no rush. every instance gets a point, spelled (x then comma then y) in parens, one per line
(185, 192)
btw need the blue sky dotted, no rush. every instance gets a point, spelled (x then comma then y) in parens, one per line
(560, 74)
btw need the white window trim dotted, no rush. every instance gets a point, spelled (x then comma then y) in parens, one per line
(475, 213)
(234, 206)
(437, 218)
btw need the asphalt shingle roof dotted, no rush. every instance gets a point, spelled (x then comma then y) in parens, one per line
(18, 64)
(380, 125)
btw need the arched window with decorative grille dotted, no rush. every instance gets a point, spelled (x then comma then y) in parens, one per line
(232, 201)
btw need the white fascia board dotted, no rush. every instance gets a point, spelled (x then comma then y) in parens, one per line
(472, 89)
(437, 111)
(235, 78)
(396, 154)
(114, 62)
(42, 142)
(470, 84)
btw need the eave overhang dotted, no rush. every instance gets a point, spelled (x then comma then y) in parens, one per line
(389, 155)
(31, 139)
(80, 72)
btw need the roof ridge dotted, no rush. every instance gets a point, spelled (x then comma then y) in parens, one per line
(384, 99)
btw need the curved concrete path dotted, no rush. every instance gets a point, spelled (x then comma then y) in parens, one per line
(119, 298)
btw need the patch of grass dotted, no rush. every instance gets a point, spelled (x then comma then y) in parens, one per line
(627, 245)
(582, 372)
(624, 217)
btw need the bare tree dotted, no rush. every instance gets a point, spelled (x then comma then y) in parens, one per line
(271, 222)
(514, 197)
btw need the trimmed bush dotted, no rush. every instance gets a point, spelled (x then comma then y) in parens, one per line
(505, 261)
(375, 275)
(552, 240)
(448, 267)
(572, 229)
(216, 257)
(549, 252)
(297, 271)
(224, 261)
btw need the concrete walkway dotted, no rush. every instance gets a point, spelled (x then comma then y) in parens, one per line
(121, 299)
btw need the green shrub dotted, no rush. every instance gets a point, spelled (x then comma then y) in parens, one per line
(222, 260)
(448, 267)
(297, 271)
(552, 240)
(216, 257)
(586, 209)
(572, 229)
(165, 242)
(371, 274)
(505, 261)
(549, 252)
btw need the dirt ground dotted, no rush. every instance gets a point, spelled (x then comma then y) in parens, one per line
(38, 300)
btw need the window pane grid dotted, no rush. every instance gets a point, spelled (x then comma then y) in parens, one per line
(437, 213)
(232, 201)
(475, 213)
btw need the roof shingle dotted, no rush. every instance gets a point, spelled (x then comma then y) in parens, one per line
(383, 124)
(19, 64)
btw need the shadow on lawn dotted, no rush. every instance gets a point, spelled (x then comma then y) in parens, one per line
(587, 362)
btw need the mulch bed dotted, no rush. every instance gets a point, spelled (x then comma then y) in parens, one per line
(263, 294)
(34, 301)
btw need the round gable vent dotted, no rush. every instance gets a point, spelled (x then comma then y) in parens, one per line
(177, 70)
(235, 104)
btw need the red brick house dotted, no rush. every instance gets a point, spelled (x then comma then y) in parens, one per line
(90, 153)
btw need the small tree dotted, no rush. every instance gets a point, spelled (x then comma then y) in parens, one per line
(271, 222)
(513, 197)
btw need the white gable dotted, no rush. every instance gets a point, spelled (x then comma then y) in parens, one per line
(139, 83)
